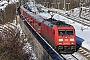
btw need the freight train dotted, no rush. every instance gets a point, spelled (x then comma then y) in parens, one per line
(58, 34)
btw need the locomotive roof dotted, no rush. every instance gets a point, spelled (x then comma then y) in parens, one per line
(50, 22)
(37, 17)
(40, 19)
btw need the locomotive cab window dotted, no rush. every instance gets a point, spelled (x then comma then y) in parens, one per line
(61, 32)
(69, 32)
(65, 32)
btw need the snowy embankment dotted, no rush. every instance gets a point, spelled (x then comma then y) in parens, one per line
(82, 37)
(27, 47)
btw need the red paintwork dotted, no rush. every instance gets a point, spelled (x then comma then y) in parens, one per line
(49, 33)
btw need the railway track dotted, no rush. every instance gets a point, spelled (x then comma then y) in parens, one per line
(84, 52)
(81, 54)
(85, 19)
(84, 22)
(69, 57)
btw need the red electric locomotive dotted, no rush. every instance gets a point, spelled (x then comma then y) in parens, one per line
(60, 35)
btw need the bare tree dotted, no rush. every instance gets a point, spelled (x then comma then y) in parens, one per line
(12, 45)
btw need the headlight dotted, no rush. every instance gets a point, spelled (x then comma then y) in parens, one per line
(72, 43)
(60, 43)
(72, 39)
(60, 39)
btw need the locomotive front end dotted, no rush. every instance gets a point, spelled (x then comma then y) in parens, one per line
(66, 40)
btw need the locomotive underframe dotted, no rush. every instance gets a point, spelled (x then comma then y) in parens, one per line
(66, 49)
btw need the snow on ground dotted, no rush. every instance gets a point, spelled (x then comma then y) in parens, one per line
(80, 57)
(85, 13)
(82, 37)
(27, 48)
(3, 4)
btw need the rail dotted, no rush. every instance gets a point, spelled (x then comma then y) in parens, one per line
(69, 57)
(79, 20)
(84, 52)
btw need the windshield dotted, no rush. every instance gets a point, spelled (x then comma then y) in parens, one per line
(65, 32)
